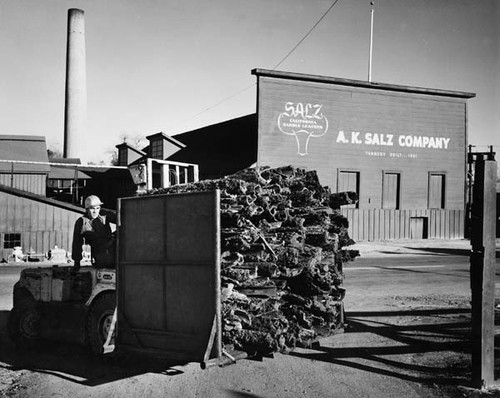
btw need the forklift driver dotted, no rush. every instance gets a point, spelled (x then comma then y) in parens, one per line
(94, 229)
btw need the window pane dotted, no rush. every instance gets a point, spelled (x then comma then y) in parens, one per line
(11, 240)
(349, 182)
(122, 157)
(157, 149)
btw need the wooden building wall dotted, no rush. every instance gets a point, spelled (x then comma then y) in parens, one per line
(334, 128)
(42, 224)
(34, 183)
(382, 224)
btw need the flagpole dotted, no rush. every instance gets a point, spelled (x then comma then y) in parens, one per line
(372, 3)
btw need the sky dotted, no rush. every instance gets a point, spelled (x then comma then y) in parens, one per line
(174, 66)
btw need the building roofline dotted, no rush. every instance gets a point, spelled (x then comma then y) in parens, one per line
(41, 199)
(71, 161)
(168, 138)
(40, 138)
(126, 145)
(71, 165)
(360, 83)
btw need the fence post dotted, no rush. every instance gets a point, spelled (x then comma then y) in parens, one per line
(482, 272)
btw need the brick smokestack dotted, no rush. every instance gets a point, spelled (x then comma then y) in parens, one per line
(75, 112)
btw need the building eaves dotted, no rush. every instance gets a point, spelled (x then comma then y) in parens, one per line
(167, 138)
(125, 145)
(360, 83)
(42, 199)
(20, 154)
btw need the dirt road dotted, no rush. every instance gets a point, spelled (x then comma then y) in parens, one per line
(401, 345)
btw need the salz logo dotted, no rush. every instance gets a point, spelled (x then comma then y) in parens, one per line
(303, 121)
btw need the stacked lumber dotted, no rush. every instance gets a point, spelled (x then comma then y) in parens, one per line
(282, 256)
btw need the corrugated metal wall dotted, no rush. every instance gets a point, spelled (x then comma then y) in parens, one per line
(34, 183)
(383, 224)
(41, 225)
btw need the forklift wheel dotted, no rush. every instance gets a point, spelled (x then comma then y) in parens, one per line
(99, 322)
(24, 324)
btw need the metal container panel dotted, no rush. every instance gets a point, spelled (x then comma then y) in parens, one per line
(169, 275)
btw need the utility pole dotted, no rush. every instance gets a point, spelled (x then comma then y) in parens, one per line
(372, 3)
(482, 269)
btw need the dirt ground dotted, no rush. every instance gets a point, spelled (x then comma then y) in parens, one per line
(404, 345)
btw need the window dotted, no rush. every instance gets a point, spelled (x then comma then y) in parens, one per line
(11, 240)
(348, 181)
(436, 190)
(157, 149)
(53, 184)
(391, 190)
(122, 157)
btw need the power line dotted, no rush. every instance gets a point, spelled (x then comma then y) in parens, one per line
(253, 84)
(307, 34)
(215, 105)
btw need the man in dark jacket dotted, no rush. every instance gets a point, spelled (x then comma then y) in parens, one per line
(94, 229)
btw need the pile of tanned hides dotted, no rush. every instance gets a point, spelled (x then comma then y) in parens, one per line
(281, 259)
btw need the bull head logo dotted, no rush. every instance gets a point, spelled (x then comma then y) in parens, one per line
(303, 121)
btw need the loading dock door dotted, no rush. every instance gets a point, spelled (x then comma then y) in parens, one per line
(168, 280)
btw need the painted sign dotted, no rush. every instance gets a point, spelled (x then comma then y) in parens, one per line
(401, 140)
(303, 121)
(389, 145)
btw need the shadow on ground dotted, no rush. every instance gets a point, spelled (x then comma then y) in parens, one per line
(429, 346)
(446, 251)
(75, 363)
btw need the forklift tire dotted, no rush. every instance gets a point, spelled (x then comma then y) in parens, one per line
(23, 324)
(99, 322)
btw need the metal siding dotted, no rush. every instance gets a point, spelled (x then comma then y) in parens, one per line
(34, 183)
(40, 224)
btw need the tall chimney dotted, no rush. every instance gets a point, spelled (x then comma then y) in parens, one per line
(75, 111)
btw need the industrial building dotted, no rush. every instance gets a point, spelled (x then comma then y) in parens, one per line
(402, 149)
(39, 199)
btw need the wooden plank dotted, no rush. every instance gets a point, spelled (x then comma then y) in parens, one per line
(386, 224)
(366, 224)
(446, 223)
(438, 224)
(402, 224)
(371, 224)
(355, 224)
(431, 225)
(483, 274)
(393, 224)
(407, 224)
(377, 220)
(462, 223)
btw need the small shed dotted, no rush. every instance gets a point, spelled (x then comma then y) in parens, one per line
(24, 163)
(35, 223)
